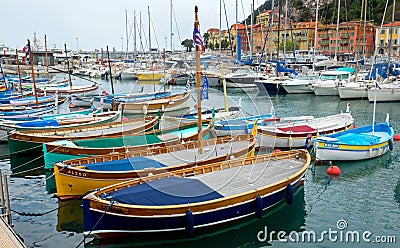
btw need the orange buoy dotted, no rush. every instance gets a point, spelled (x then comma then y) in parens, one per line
(124, 119)
(276, 151)
(71, 105)
(195, 106)
(333, 170)
(80, 109)
(355, 126)
(396, 137)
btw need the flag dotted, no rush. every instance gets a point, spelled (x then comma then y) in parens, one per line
(253, 133)
(198, 40)
(26, 49)
(204, 89)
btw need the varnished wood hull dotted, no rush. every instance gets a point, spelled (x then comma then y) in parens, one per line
(104, 220)
(73, 181)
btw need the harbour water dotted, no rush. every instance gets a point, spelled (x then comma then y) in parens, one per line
(364, 198)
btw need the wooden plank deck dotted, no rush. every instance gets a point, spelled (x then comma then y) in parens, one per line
(8, 238)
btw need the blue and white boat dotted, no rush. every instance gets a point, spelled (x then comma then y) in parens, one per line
(242, 125)
(195, 198)
(355, 144)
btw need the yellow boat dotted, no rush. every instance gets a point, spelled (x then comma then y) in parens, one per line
(75, 178)
(149, 75)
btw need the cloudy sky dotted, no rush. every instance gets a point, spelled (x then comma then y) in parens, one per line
(93, 24)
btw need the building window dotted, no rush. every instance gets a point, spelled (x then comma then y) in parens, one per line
(395, 41)
(382, 31)
(381, 43)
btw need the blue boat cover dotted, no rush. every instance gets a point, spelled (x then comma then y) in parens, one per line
(358, 139)
(135, 163)
(166, 191)
(43, 123)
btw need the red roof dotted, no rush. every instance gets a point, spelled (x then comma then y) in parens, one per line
(396, 24)
(213, 30)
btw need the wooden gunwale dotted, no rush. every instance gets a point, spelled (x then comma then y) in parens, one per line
(157, 103)
(103, 151)
(138, 210)
(155, 150)
(44, 136)
(281, 134)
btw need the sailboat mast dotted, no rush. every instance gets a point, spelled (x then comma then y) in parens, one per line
(391, 38)
(285, 31)
(220, 24)
(251, 31)
(19, 72)
(47, 62)
(109, 67)
(134, 34)
(337, 30)
(148, 11)
(237, 34)
(126, 32)
(170, 15)
(66, 58)
(33, 72)
(198, 49)
(315, 34)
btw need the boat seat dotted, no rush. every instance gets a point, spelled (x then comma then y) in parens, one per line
(167, 137)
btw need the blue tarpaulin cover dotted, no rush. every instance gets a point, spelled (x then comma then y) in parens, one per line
(358, 139)
(44, 123)
(135, 163)
(166, 191)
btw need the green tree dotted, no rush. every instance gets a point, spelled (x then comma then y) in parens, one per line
(224, 44)
(188, 44)
(289, 45)
(206, 38)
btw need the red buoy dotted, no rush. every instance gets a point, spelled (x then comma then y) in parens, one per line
(80, 109)
(195, 106)
(355, 126)
(71, 105)
(333, 170)
(124, 119)
(396, 137)
(276, 151)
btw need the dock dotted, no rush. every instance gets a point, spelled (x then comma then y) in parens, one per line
(8, 238)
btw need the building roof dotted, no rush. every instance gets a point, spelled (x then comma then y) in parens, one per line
(213, 30)
(395, 24)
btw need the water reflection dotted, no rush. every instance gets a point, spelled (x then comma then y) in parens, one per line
(280, 218)
(70, 216)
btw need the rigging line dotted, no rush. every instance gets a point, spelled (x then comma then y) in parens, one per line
(176, 25)
(229, 30)
(27, 149)
(154, 30)
(73, 74)
(35, 158)
(245, 24)
(101, 217)
(145, 38)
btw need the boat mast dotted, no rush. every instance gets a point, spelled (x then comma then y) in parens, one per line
(251, 31)
(19, 72)
(33, 71)
(237, 34)
(170, 26)
(134, 34)
(315, 34)
(337, 30)
(109, 67)
(47, 62)
(220, 24)
(126, 32)
(198, 49)
(391, 38)
(66, 58)
(148, 11)
(285, 31)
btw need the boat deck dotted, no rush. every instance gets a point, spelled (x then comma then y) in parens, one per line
(192, 155)
(241, 179)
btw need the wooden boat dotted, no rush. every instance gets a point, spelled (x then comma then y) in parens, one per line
(355, 144)
(31, 141)
(242, 125)
(297, 134)
(78, 90)
(65, 149)
(195, 198)
(76, 177)
(168, 103)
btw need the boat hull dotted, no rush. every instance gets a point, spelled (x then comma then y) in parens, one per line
(325, 91)
(297, 89)
(384, 94)
(352, 92)
(327, 152)
(171, 103)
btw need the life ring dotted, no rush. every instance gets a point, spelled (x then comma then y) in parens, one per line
(174, 71)
(173, 80)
